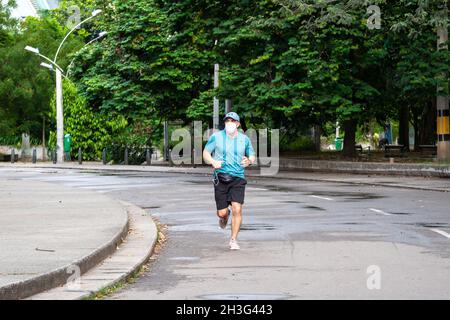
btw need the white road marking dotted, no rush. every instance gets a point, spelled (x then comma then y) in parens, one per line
(380, 211)
(442, 233)
(185, 258)
(323, 198)
(116, 186)
(252, 188)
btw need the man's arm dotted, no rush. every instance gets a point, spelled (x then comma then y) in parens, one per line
(250, 157)
(246, 161)
(209, 159)
(209, 148)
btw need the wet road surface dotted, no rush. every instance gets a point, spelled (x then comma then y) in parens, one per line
(299, 239)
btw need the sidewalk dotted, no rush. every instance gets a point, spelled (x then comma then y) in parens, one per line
(432, 169)
(47, 229)
(388, 180)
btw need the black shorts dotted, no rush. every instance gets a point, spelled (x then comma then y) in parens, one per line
(225, 193)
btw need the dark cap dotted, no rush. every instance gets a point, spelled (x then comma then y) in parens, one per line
(232, 115)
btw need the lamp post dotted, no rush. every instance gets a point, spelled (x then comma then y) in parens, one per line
(59, 90)
(100, 36)
(59, 105)
(442, 100)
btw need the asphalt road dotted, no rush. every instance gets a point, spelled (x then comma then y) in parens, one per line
(299, 240)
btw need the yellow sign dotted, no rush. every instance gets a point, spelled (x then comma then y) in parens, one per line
(443, 125)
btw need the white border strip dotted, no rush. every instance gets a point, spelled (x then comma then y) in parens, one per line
(380, 211)
(442, 233)
(323, 198)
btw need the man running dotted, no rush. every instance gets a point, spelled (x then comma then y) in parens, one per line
(233, 152)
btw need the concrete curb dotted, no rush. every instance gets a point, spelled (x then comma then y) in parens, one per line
(134, 252)
(57, 277)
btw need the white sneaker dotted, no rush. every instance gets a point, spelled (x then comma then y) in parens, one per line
(234, 245)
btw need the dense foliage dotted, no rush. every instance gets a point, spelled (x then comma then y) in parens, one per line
(285, 64)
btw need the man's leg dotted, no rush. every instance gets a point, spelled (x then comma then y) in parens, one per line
(221, 195)
(236, 220)
(237, 193)
(223, 217)
(222, 213)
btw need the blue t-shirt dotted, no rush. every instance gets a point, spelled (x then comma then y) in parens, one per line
(236, 148)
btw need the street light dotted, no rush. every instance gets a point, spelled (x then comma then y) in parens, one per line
(36, 52)
(46, 65)
(50, 67)
(31, 49)
(101, 35)
(94, 14)
(59, 89)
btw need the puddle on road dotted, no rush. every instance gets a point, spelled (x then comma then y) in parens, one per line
(256, 227)
(213, 227)
(402, 213)
(348, 195)
(248, 296)
(201, 182)
(426, 224)
(353, 223)
(281, 189)
(314, 208)
(432, 225)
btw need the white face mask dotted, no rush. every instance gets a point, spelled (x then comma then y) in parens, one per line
(230, 127)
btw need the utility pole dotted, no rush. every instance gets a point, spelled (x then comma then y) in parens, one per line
(228, 106)
(43, 139)
(59, 118)
(443, 125)
(166, 141)
(216, 101)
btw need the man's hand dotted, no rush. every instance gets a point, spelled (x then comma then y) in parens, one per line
(216, 164)
(245, 162)
(208, 158)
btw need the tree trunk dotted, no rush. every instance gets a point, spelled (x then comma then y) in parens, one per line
(243, 124)
(403, 130)
(349, 138)
(427, 131)
(317, 133)
(416, 125)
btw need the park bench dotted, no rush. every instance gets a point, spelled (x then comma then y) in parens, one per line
(428, 150)
(394, 150)
(7, 158)
(361, 151)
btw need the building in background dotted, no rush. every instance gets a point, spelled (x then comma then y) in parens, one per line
(26, 8)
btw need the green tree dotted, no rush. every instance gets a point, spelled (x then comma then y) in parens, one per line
(285, 64)
(90, 130)
(25, 87)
